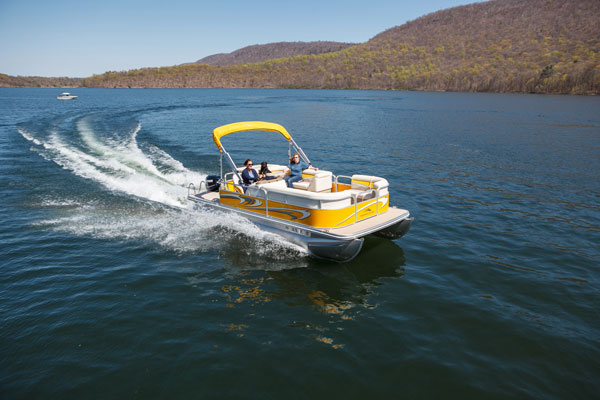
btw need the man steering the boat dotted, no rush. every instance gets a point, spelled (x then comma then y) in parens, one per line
(296, 168)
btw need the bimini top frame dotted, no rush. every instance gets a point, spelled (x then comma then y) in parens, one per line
(248, 126)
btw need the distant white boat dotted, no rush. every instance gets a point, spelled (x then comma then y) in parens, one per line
(66, 96)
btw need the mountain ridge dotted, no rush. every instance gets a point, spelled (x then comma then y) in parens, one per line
(264, 52)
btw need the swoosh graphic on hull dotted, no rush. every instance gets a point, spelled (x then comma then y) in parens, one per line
(381, 200)
(255, 205)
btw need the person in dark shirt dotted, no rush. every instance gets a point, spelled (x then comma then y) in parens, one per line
(249, 175)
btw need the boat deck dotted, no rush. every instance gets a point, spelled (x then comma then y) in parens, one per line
(209, 196)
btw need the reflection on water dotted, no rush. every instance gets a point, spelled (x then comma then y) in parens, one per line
(246, 290)
(379, 258)
(331, 293)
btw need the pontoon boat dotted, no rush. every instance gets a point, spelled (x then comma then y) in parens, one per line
(328, 215)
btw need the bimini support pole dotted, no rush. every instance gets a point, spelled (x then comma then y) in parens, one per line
(231, 164)
(300, 151)
(221, 165)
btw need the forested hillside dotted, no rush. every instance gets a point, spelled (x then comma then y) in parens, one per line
(540, 46)
(264, 52)
(38, 81)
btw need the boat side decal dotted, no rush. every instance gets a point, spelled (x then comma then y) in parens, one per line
(320, 218)
(382, 202)
(253, 204)
(244, 201)
(293, 214)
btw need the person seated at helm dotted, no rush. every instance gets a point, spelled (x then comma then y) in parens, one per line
(249, 175)
(296, 168)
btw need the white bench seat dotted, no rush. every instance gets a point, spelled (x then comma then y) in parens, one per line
(315, 181)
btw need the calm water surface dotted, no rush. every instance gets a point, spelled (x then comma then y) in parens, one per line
(113, 286)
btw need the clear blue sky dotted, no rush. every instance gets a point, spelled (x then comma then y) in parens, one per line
(78, 38)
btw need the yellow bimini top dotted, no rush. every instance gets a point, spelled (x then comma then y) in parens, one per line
(224, 130)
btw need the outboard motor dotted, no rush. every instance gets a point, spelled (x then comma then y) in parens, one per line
(212, 183)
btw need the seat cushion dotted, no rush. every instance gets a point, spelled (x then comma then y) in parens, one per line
(301, 185)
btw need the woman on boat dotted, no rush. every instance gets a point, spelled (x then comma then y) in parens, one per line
(249, 175)
(296, 168)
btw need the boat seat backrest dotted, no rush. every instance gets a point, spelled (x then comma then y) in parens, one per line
(307, 199)
(317, 181)
(381, 184)
(361, 195)
(364, 182)
(320, 182)
(308, 173)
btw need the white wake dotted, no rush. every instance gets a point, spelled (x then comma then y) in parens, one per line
(118, 163)
(119, 166)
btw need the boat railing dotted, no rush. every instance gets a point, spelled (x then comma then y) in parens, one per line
(229, 179)
(358, 196)
(355, 201)
(337, 177)
(367, 188)
(262, 189)
(355, 195)
(192, 187)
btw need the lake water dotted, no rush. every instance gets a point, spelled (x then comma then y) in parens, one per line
(113, 286)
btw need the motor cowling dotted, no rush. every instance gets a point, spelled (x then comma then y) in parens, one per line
(213, 183)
